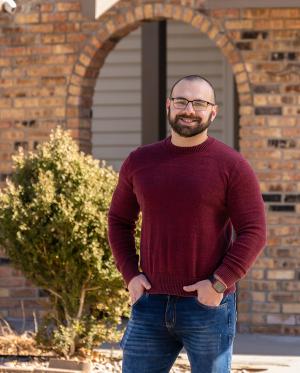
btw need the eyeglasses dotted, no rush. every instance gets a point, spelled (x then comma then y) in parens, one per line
(182, 103)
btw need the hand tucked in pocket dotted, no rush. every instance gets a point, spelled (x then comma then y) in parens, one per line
(137, 286)
(206, 293)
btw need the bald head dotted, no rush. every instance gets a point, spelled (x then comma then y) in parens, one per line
(204, 85)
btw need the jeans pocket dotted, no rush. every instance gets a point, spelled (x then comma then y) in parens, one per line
(138, 300)
(205, 306)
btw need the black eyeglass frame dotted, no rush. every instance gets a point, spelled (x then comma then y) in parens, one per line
(192, 101)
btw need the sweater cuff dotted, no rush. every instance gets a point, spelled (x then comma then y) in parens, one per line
(129, 273)
(228, 277)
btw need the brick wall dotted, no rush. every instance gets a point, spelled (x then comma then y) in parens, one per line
(268, 40)
(50, 57)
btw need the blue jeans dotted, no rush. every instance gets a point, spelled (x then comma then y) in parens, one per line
(161, 325)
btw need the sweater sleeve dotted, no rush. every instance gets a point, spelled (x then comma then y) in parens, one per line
(122, 217)
(247, 214)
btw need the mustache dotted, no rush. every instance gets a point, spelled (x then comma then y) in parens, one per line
(188, 117)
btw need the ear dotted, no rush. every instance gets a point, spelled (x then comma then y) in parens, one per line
(168, 103)
(214, 111)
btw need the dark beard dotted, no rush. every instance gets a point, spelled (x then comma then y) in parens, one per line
(186, 130)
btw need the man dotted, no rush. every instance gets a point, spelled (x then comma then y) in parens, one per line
(191, 189)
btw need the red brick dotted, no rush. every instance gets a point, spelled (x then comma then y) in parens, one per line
(54, 80)
(42, 28)
(71, 59)
(265, 285)
(187, 15)
(263, 262)
(81, 134)
(23, 18)
(4, 293)
(79, 123)
(30, 60)
(18, 313)
(283, 297)
(39, 92)
(225, 13)
(5, 271)
(38, 102)
(267, 329)
(221, 41)
(40, 50)
(148, 10)
(139, 14)
(281, 274)
(46, 8)
(168, 10)
(284, 34)
(283, 230)
(258, 318)
(285, 13)
(23, 293)
(244, 88)
(36, 303)
(290, 176)
(292, 24)
(10, 282)
(266, 307)
(277, 121)
(5, 124)
(67, 7)
(293, 308)
(54, 17)
(243, 307)
(54, 70)
(5, 103)
(45, 112)
(291, 330)
(75, 37)
(4, 62)
(27, 82)
(258, 296)
(9, 303)
(64, 48)
(15, 51)
(53, 38)
(213, 32)
(72, 16)
(290, 286)
(239, 24)
(89, 26)
(244, 317)
(256, 13)
(205, 25)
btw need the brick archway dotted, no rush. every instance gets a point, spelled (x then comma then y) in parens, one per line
(114, 27)
(122, 21)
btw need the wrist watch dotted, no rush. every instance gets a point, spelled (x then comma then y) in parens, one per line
(217, 284)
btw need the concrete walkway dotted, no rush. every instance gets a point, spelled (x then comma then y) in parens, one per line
(261, 353)
(261, 344)
(267, 353)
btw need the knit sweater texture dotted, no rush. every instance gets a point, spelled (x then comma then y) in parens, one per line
(190, 199)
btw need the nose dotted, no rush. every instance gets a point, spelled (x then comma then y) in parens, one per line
(189, 108)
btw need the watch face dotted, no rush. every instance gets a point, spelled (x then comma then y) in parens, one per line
(219, 287)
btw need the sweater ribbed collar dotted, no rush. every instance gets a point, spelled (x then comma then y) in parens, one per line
(188, 149)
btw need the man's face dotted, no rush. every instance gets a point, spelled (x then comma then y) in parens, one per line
(189, 122)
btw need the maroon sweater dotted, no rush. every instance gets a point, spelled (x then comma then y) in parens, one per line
(190, 197)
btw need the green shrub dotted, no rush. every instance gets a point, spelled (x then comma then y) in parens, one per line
(53, 226)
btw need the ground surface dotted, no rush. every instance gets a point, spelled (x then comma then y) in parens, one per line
(19, 351)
